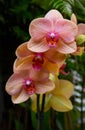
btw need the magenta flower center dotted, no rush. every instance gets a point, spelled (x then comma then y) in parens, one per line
(38, 61)
(29, 86)
(52, 39)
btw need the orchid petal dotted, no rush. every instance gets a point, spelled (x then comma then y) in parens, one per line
(73, 18)
(22, 50)
(23, 63)
(53, 15)
(20, 97)
(43, 87)
(81, 28)
(65, 48)
(60, 103)
(52, 67)
(39, 28)
(63, 87)
(67, 30)
(55, 79)
(55, 56)
(38, 46)
(14, 84)
(40, 75)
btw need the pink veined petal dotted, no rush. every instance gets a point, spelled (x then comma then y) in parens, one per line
(23, 63)
(14, 84)
(53, 15)
(39, 27)
(61, 103)
(67, 30)
(29, 71)
(73, 18)
(20, 97)
(17, 78)
(66, 48)
(41, 46)
(55, 56)
(23, 51)
(81, 28)
(43, 87)
(40, 75)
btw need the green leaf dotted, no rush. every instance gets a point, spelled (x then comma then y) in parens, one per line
(20, 33)
(79, 9)
(63, 6)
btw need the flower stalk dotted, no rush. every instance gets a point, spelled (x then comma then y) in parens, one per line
(40, 112)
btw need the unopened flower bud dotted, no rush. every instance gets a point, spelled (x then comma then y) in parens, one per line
(80, 39)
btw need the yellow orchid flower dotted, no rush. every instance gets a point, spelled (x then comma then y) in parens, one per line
(58, 98)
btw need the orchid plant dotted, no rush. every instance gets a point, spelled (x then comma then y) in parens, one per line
(42, 59)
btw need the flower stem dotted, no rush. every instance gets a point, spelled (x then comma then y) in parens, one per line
(43, 103)
(38, 100)
(82, 97)
(40, 113)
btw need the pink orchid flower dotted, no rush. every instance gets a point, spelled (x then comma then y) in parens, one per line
(81, 26)
(81, 30)
(21, 86)
(52, 31)
(50, 59)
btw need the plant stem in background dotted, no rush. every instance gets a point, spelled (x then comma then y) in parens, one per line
(82, 127)
(53, 123)
(40, 112)
(68, 121)
(82, 96)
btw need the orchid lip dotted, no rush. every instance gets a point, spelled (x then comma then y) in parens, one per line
(52, 39)
(38, 61)
(29, 86)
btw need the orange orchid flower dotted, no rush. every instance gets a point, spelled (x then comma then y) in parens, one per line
(58, 98)
(50, 59)
(52, 31)
(22, 85)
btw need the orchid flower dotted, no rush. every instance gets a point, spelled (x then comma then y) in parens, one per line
(58, 98)
(22, 85)
(51, 59)
(52, 31)
(80, 38)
